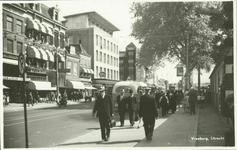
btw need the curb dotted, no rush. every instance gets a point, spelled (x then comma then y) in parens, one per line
(195, 128)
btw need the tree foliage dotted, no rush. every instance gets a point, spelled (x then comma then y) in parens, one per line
(164, 29)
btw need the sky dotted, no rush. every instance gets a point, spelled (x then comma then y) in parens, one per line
(118, 13)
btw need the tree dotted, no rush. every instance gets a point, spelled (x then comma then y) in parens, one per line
(162, 28)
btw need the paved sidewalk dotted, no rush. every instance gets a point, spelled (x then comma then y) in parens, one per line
(211, 126)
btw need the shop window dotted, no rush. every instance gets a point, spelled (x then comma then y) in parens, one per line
(9, 23)
(19, 26)
(10, 46)
(19, 47)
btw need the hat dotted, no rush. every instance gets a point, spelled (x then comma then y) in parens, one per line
(102, 88)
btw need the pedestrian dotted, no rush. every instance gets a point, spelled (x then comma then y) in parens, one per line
(185, 102)
(30, 99)
(172, 101)
(121, 101)
(157, 98)
(148, 111)
(192, 100)
(132, 104)
(104, 109)
(163, 103)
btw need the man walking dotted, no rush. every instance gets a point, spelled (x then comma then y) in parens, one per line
(148, 111)
(192, 100)
(121, 100)
(132, 104)
(103, 107)
(163, 103)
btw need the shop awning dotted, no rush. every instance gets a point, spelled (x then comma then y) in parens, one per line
(61, 57)
(91, 71)
(41, 27)
(31, 24)
(33, 52)
(49, 30)
(75, 85)
(43, 54)
(41, 86)
(5, 87)
(90, 88)
(10, 61)
(50, 55)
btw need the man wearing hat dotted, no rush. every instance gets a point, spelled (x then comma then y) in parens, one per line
(148, 111)
(103, 107)
(192, 100)
(132, 105)
(121, 100)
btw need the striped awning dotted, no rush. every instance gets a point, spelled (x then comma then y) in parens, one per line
(33, 52)
(91, 71)
(41, 27)
(41, 86)
(61, 58)
(31, 24)
(43, 54)
(10, 61)
(75, 85)
(49, 30)
(83, 70)
(50, 55)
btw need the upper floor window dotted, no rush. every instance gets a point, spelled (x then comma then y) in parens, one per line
(97, 40)
(107, 59)
(56, 16)
(19, 26)
(19, 47)
(75, 68)
(9, 23)
(111, 47)
(37, 7)
(107, 45)
(104, 58)
(10, 46)
(100, 42)
(104, 44)
(100, 56)
(69, 65)
(97, 71)
(62, 40)
(97, 55)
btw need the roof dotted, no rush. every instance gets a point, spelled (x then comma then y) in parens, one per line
(80, 49)
(131, 45)
(101, 20)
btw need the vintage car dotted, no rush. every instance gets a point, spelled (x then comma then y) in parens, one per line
(127, 85)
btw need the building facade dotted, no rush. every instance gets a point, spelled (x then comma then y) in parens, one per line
(96, 36)
(128, 65)
(35, 30)
(222, 79)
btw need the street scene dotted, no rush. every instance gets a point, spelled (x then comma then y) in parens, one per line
(139, 74)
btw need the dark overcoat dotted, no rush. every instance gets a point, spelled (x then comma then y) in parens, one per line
(121, 103)
(132, 103)
(148, 106)
(103, 106)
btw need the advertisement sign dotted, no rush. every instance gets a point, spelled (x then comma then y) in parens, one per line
(102, 74)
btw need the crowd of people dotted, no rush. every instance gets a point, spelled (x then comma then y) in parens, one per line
(145, 107)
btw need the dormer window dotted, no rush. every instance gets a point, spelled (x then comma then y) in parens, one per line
(56, 16)
(37, 6)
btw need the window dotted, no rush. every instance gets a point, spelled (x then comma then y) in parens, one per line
(100, 56)
(108, 74)
(111, 74)
(114, 61)
(114, 75)
(228, 68)
(97, 40)
(105, 70)
(10, 46)
(97, 71)
(56, 16)
(101, 69)
(130, 61)
(62, 41)
(56, 40)
(69, 65)
(104, 58)
(111, 60)
(19, 26)
(37, 7)
(114, 49)
(9, 23)
(107, 45)
(75, 68)
(111, 46)
(107, 59)
(130, 54)
(100, 42)
(117, 75)
(97, 55)
(104, 44)
(19, 47)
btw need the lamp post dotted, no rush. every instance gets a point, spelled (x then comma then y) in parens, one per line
(57, 85)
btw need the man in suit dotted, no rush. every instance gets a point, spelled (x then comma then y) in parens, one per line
(132, 105)
(148, 111)
(121, 100)
(103, 107)
(192, 100)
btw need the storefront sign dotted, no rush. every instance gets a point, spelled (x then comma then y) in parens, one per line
(102, 74)
(14, 78)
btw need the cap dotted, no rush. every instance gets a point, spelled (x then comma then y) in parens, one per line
(102, 88)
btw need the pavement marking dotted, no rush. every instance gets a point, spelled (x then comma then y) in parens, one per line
(125, 136)
(37, 115)
(85, 111)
